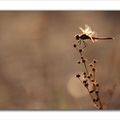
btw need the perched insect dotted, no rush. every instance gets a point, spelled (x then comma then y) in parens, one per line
(89, 34)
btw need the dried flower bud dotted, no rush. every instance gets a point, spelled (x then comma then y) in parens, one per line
(91, 91)
(80, 50)
(86, 85)
(78, 75)
(83, 60)
(84, 73)
(92, 80)
(96, 92)
(88, 77)
(85, 76)
(91, 65)
(74, 45)
(84, 81)
(97, 85)
(77, 37)
(91, 74)
(94, 61)
(93, 69)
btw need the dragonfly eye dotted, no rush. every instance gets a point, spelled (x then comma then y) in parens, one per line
(77, 37)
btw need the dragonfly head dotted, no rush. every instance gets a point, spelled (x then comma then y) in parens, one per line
(77, 37)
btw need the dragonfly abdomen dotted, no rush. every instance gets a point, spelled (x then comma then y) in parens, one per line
(102, 38)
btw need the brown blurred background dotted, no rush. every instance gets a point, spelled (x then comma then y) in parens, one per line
(38, 61)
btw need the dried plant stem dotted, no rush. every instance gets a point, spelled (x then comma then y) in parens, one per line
(94, 75)
(89, 79)
(80, 51)
(101, 106)
(86, 68)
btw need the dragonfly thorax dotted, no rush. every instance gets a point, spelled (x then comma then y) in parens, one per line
(84, 37)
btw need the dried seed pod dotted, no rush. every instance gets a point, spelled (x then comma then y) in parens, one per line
(96, 92)
(93, 69)
(83, 60)
(88, 77)
(85, 81)
(78, 62)
(91, 74)
(80, 50)
(74, 45)
(97, 85)
(84, 73)
(92, 80)
(91, 91)
(94, 99)
(94, 61)
(91, 65)
(86, 85)
(78, 75)
(84, 76)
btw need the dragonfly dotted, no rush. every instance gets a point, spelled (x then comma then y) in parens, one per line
(88, 34)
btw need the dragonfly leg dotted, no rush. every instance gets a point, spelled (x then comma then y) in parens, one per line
(84, 44)
(79, 42)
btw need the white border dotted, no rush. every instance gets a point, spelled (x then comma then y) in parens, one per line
(60, 5)
(54, 115)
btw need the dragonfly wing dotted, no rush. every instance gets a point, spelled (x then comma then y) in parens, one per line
(82, 30)
(87, 28)
(88, 31)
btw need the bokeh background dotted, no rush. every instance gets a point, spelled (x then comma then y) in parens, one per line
(38, 61)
